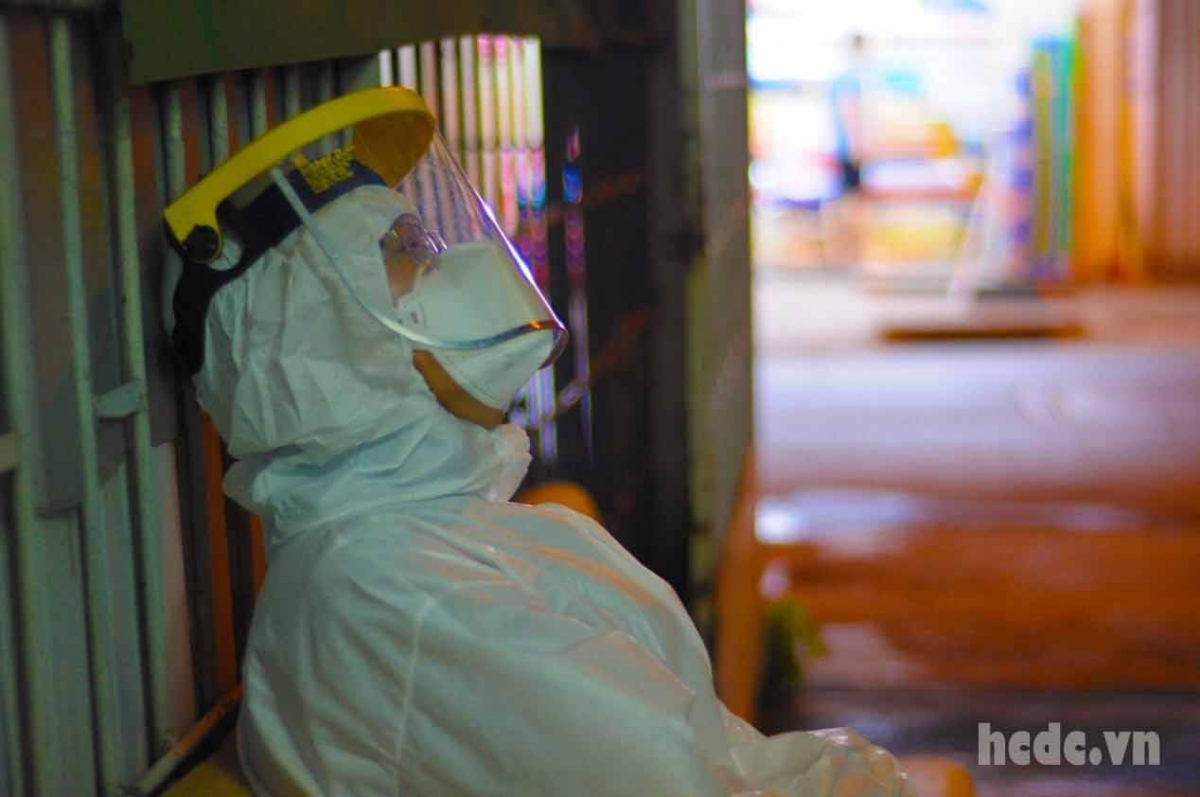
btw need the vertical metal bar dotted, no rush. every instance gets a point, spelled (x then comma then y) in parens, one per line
(31, 636)
(365, 72)
(429, 75)
(260, 121)
(507, 212)
(574, 220)
(487, 119)
(239, 103)
(428, 78)
(520, 128)
(407, 56)
(237, 529)
(173, 177)
(529, 396)
(172, 182)
(387, 71)
(12, 776)
(99, 610)
(544, 392)
(291, 91)
(534, 121)
(450, 97)
(348, 75)
(258, 103)
(218, 118)
(148, 532)
(224, 636)
(326, 87)
(470, 107)
(422, 67)
(443, 99)
(520, 137)
(406, 76)
(209, 449)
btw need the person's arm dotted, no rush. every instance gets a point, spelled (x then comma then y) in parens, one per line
(510, 699)
(836, 762)
(513, 699)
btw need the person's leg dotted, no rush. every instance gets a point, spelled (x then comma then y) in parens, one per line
(854, 208)
(850, 215)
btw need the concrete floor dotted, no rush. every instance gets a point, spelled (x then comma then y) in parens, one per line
(1002, 531)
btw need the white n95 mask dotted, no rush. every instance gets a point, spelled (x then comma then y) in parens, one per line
(467, 292)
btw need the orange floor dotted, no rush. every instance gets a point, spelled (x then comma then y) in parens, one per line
(1001, 531)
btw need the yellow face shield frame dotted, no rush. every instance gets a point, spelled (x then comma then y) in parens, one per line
(392, 127)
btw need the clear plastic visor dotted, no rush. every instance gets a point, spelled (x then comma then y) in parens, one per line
(424, 256)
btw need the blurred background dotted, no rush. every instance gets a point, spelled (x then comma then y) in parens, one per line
(885, 352)
(978, 429)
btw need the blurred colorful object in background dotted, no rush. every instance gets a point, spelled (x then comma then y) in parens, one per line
(967, 110)
(959, 5)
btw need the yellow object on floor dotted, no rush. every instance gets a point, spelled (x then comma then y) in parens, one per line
(568, 494)
(217, 776)
(938, 777)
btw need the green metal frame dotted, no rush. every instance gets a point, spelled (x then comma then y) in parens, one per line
(172, 40)
(97, 681)
(96, 706)
(30, 631)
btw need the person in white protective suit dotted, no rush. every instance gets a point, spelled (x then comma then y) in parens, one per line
(417, 635)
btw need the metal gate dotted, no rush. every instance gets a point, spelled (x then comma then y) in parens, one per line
(126, 578)
(121, 608)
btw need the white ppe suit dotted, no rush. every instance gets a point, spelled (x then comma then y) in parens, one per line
(419, 636)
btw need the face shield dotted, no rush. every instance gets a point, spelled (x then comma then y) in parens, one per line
(442, 274)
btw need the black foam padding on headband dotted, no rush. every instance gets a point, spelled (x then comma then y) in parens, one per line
(258, 226)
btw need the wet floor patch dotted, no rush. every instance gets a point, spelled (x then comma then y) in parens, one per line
(946, 722)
